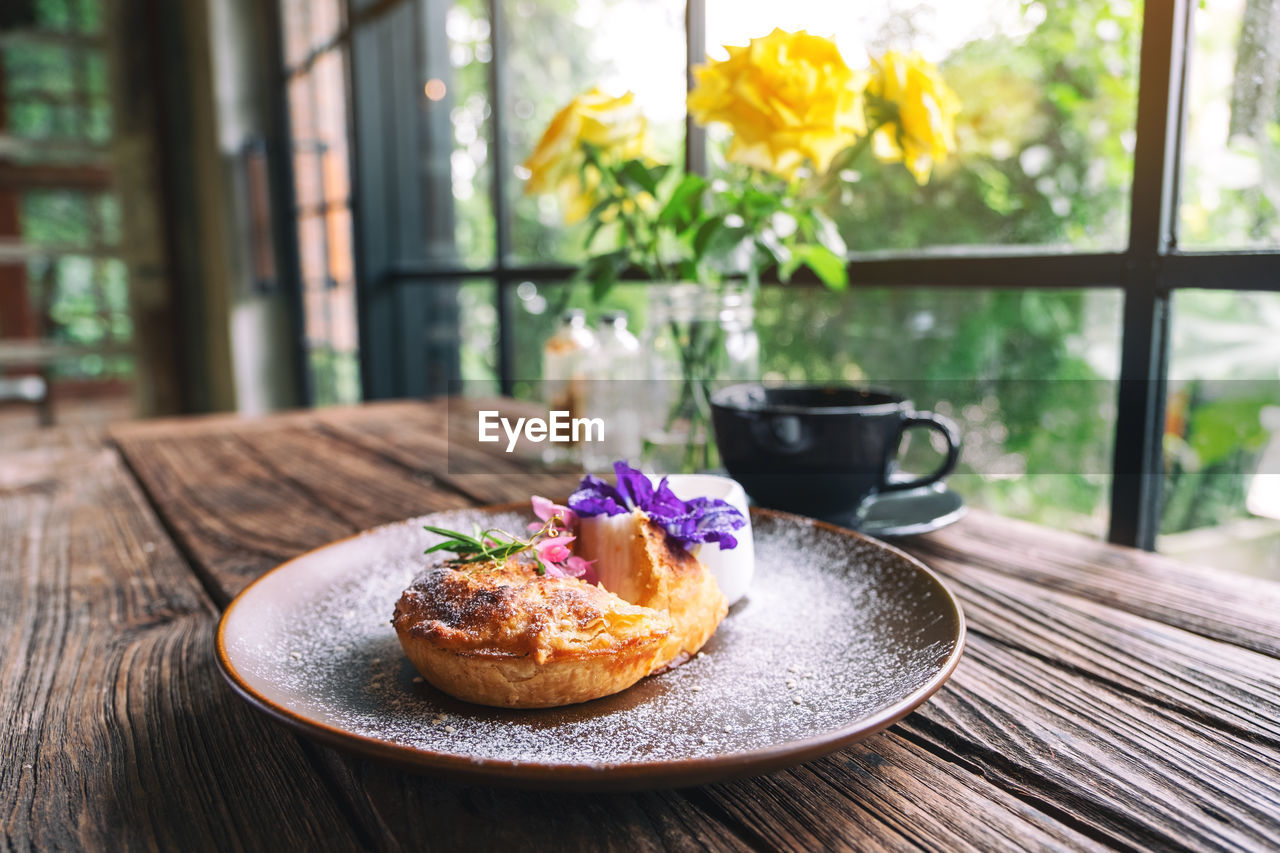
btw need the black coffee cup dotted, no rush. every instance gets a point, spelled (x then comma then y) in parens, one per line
(820, 450)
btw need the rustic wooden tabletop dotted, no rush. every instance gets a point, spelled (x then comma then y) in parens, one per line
(1108, 698)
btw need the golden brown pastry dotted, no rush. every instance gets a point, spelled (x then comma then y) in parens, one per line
(637, 560)
(501, 634)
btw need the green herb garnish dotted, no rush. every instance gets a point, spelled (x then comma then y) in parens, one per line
(493, 545)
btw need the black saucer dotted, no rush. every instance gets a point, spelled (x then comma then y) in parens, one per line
(892, 514)
(909, 513)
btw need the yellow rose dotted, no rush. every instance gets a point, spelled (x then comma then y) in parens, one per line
(789, 98)
(614, 126)
(921, 131)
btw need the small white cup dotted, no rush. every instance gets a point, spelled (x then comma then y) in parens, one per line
(734, 568)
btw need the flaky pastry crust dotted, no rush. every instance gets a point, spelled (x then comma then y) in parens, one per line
(500, 634)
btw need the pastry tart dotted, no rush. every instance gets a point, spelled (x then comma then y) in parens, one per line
(500, 634)
(533, 624)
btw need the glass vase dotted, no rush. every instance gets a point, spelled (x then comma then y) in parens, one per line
(698, 337)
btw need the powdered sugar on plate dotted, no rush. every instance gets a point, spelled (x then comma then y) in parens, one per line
(835, 630)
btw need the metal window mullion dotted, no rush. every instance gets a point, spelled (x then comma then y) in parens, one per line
(285, 227)
(370, 153)
(355, 200)
(498, 196)
(1223, 271)
(695, 39)
(504, 290)
(942, 270)
(1137, 455)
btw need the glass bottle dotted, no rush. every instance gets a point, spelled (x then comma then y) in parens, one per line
(568, 362)
(615, 394)
(699, 337)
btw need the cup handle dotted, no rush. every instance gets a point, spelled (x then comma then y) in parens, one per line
(949, 431)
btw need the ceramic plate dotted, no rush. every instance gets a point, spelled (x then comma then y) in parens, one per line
(839, 637)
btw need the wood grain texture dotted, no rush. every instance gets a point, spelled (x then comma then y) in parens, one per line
(887, 793)
(438, 440)
(240, 502)
(1108, 697)
(1220, 605)
(877, 795)
(118, 733)
(1133, 771)
(48, 439)
(1235, 689)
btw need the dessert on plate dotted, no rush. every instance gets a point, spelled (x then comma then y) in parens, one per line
(604, 592)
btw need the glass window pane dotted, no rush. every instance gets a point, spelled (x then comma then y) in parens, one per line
(1027, 375)
(55, 90)
(84, 17)
(1222, 432)
(329, 89)
(322, 188)
(30, 119)
(431, 114)
(95, 124)
(1044, 136)
(296, 36)
(308, 26)
(325, 20)
(537, 310)
(478, 336)
(556, 52)
(302, 119)
(57, 217)
(1230, 195)
(40, 69)
(465, 93)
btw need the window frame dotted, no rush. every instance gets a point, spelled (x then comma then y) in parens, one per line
(1147, 272)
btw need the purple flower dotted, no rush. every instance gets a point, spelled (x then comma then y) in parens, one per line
(596, 497)
(713, 520)
(691, 522)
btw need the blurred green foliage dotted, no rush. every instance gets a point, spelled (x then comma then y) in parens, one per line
(1046, 140)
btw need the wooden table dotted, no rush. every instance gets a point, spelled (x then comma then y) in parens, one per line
(1107, 698)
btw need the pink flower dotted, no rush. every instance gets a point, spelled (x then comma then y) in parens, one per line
(546, 510)
(573, 567)
(580, 568)
(554, 549)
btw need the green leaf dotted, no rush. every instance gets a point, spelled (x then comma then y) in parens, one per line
(602, 272)
(773, 246)
(636, 173)
(601, 206)
(828, 234)
(600, 288)
(685, 202)
(1224, 427)
(759, 204)
(596, 225)
(451, 535)
(702, 237)
(826, 264)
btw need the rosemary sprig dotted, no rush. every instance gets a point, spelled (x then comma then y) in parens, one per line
(491, 545)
